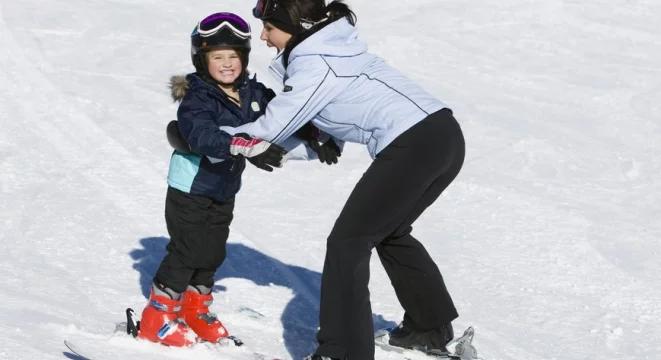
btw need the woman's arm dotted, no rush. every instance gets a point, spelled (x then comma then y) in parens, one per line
(310, 88)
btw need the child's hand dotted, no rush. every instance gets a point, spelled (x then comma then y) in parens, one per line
(260, 153)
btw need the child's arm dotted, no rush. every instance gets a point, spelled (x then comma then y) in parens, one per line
(196, 123)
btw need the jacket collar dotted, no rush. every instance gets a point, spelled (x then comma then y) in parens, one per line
(331, 38)
(196, 81)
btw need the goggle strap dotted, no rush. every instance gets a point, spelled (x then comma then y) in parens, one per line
(308, 24)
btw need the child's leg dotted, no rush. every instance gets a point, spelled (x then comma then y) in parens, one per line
(212, 256)
(195, 303)
(198, 229)
(208, 253)
(197, 246)
(160, 320)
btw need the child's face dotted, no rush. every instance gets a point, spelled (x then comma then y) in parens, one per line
(274, 37)
(224, 65)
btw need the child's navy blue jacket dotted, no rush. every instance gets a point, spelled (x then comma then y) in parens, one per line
(211, 171)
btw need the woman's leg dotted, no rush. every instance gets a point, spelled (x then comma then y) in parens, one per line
(417, 281)
(385, 197)
(414, 275)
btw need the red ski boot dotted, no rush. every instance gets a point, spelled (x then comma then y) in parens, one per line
(160, 324)
(195, 303)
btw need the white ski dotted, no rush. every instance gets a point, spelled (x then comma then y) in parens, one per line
(121, 345)
(462, 347)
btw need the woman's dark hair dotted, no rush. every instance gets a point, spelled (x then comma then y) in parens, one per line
(313, 11)
(337, 9)
(317, 15)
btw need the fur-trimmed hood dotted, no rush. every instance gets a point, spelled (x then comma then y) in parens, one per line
(178, 87)
(181, 84)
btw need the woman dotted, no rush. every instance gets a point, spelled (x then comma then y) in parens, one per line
(330, 79)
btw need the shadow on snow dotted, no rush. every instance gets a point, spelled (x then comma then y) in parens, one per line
(300, 316)
(73, 356)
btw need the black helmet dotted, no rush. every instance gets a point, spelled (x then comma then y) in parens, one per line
(220, 30)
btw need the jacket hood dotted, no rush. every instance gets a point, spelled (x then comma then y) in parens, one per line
(338, 38)
(181, 84)
(178, 87)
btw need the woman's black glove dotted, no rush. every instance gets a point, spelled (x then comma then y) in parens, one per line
(327, 152)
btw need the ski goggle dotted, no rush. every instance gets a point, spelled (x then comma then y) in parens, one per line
(212, 24)
(264, 9)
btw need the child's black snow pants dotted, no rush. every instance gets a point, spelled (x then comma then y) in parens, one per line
(404, 179)
(198, 228)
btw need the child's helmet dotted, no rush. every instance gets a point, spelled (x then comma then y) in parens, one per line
(220, 30)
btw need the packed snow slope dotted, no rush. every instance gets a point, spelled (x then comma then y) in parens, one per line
(549, 239)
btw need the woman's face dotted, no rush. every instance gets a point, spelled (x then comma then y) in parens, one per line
(274, 37)
(224, 65)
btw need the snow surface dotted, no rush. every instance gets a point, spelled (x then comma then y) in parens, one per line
(547, 240)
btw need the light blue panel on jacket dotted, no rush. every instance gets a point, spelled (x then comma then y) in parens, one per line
(183, 169)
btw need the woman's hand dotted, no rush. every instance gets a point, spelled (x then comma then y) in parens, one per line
(327, 152)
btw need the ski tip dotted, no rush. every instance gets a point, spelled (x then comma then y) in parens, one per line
(73, 349)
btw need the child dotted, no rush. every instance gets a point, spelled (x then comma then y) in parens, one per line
(203, 183)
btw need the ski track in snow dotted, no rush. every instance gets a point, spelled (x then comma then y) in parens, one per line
(548, 240)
